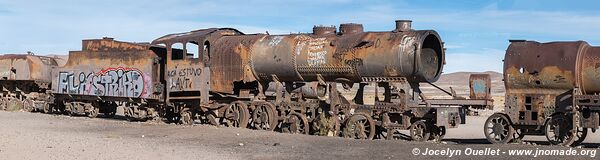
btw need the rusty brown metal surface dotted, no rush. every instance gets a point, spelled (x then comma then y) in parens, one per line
(539, 78)
(480, 86)
(351, 55)
(229, 62)
(109, 68)
(558, 66)
(27, 67)
(194, 76)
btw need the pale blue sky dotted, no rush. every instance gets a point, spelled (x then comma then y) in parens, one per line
(476, 32)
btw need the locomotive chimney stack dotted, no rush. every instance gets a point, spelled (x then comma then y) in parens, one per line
(403, 25)
(350, 28)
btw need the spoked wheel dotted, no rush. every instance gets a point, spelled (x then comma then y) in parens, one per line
(212, 119)
(359, 126)
(69, 109)
(581, 134)
(296, 123)
(47, 108)
(264, 116)
(236, 115)
(558, 130)
(186, 118)
(437, 133)
(93, 113)
(419, 131)
(498, 129)
(28, 105)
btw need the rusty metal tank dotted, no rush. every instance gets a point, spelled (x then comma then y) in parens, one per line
(554, 66)
(27, 67)
(109, 68)
(349, 55)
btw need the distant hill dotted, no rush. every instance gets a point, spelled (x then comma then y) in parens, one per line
(459, 81)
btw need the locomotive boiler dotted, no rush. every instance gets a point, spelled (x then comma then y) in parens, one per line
(350, 55)
(551, 89)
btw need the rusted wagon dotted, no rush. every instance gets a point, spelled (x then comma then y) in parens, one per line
(106, 74)
(551, 89)
(25, 80)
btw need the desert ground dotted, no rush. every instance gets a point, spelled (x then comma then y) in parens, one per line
(44, 136)
(26, 135)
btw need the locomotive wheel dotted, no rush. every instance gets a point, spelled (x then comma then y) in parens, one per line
(419, 131)
(28, 105)
(129, 114)
(558, 130)
(581, 134)
(264, 116)
(498, 129)
(360, 126)
(186, 118)
(46, 108)
(93, 113)
(69, 109)
(296, 123)
(236, 115)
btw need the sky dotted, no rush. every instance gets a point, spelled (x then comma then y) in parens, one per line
(475, 32)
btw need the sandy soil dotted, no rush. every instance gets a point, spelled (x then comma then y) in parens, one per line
(41, 136)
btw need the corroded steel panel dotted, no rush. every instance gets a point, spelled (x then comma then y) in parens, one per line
(540, 78)
(109, 68)
(480, 86)
(350, 55)
(230, 62)
(206, 76)
(552, 67)
(27, 67)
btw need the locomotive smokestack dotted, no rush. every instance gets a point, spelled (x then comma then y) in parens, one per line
(350, 28)
(324, 30)
(403, 25)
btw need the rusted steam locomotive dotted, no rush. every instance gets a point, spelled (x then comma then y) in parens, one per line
(347, 83)
(551, 89)
(25, 80)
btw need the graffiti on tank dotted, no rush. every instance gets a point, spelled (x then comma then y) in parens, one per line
(479, 86)
(316, 51)
(118, 82)
(180, 78)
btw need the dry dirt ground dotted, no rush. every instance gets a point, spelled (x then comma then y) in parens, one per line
(42, 136)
